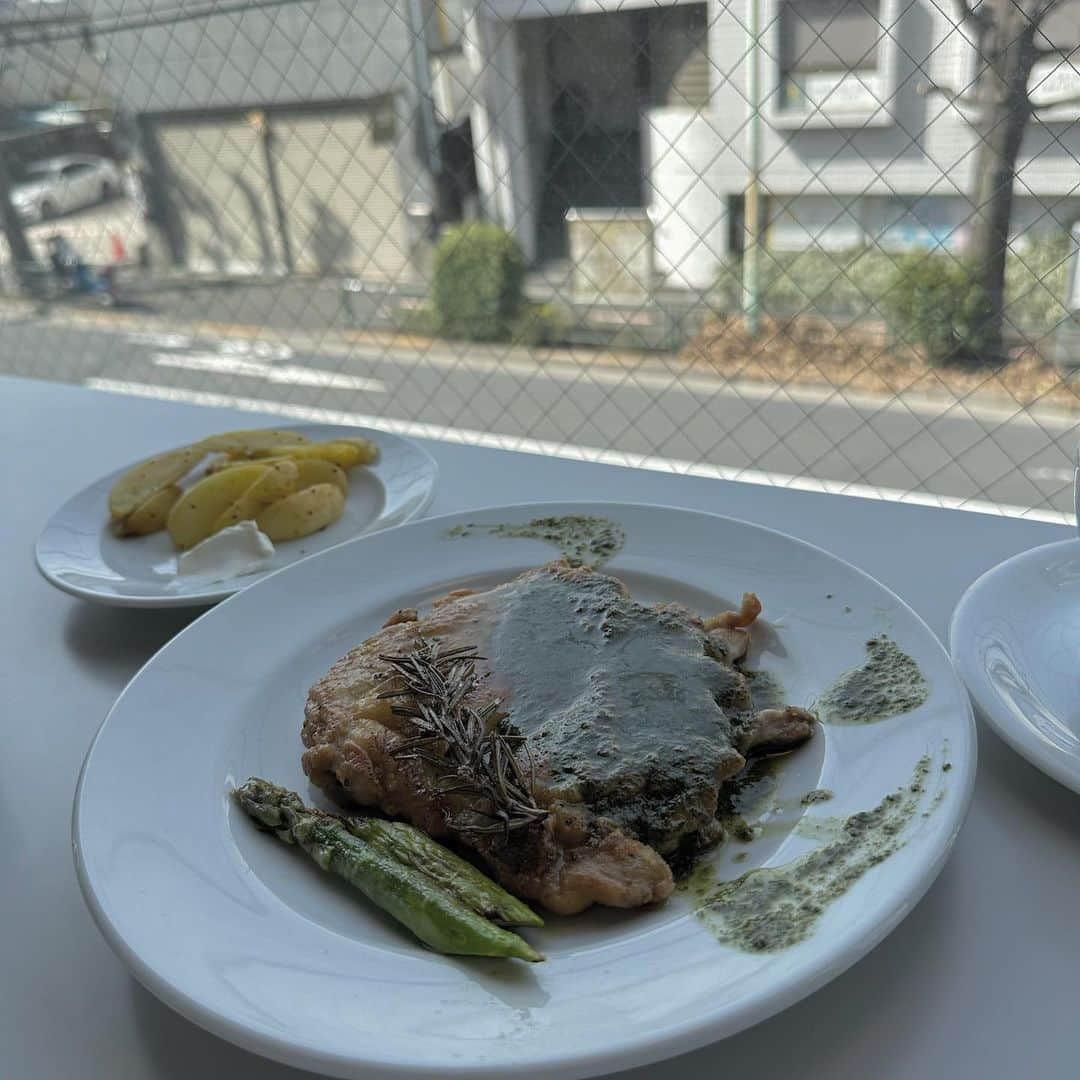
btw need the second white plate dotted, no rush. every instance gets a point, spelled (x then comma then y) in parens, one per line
(77, 551)
(1015, 639)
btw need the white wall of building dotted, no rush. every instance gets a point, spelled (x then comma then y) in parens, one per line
(500, 130)
(848, 165)
(926, 146)
(689, 214)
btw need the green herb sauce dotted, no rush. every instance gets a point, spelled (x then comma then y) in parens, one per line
(766, 690)
(746, 795)
(774, 908)
(888, 684)
(620, 702)
(582, 540)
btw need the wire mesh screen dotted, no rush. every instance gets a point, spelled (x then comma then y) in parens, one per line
(821, 243)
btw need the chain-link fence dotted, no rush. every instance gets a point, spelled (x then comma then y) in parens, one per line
(811, 242)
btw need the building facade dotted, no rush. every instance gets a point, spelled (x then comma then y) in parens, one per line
(854, 150)
(299, 138)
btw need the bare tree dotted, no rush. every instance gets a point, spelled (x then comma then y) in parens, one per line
(1008, 41)
(19, 252)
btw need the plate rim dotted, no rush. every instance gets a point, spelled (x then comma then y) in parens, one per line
(691, 1034)
(214, 594)
(1050, 762)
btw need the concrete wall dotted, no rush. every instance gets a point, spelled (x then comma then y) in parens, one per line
(500, 129)
(323, 50)
(295, 53)
(689, 213)
(63, 71)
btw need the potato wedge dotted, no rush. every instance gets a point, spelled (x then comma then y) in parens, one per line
(196, 512)
(345, 454)
(149, 477)
(223, 462)
(369, 451)
(316, 471)
(250, 442)
(151, 515)
(277, 481)
(302, 513)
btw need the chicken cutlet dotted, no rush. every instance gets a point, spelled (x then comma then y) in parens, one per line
(623, 720)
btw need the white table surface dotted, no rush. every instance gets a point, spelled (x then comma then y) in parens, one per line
(980, 981)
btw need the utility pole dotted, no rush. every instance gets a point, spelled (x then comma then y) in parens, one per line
(22, 258)
(751, 290)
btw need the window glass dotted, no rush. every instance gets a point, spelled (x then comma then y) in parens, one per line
(829, 35)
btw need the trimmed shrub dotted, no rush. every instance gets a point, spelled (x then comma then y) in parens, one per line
(477, 287)
(539, 324)
(935, 302)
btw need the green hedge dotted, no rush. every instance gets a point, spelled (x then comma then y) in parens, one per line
(856, 283)
(477, 287)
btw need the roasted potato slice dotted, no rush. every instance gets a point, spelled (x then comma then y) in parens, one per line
(251, 442)
(223, 462)
(195, 514)
(278, 480)
(302, 513)
(151, 515)
(316, 471)
(345, 454)
(149, 477)
(369, 452)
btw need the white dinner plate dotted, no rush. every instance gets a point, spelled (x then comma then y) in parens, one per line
(77, 551)
(1015, 639)
(247, 938)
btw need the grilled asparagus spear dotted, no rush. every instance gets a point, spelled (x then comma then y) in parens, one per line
(415, 848)
(436, 916)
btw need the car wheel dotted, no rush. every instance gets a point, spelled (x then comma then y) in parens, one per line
(48, 209)
(107, 191)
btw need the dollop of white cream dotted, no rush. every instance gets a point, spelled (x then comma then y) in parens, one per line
(240, 549)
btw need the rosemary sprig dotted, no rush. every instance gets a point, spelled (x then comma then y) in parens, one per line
(476, 756)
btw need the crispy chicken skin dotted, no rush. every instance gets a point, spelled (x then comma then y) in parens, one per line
(634, 717)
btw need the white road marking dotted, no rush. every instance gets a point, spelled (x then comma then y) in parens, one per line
(160, 341)
(1049, 472)
(264, 350)
(291, 374)
(420, 430)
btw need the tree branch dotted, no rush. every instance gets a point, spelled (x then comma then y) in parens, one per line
(968, 13)
(1059, 103)
(1041, 9)
(953, 97)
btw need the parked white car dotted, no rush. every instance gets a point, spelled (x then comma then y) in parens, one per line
(61, 184)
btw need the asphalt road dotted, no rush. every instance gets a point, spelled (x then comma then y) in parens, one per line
(674, 419)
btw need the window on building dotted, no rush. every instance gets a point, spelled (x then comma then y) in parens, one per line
(829, 52)
(1057, 74)
(678, 55)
